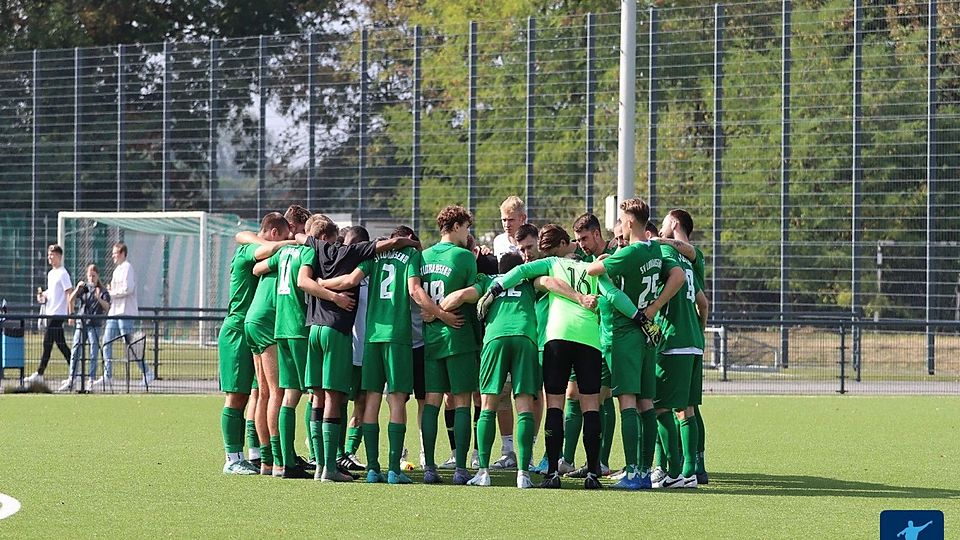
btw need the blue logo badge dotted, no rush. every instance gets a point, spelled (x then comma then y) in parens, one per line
(911, 525)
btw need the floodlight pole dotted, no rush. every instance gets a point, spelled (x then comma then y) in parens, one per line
(626, 142)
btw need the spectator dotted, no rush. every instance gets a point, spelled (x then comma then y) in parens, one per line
(94, 300)
(123, 295)
(55, 306)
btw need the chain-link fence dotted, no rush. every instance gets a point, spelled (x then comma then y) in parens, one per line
(815, 143)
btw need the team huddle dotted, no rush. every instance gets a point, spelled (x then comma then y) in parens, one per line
(556, 323)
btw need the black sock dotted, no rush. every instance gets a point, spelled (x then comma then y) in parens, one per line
(591, 440)
(448, 419)
(553, 435)
(476, 420)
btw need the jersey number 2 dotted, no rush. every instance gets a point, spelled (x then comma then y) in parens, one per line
(385, 291)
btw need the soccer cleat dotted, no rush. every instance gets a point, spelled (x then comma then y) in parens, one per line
(657, 475)
(668, 482)
(552, 481)
(617, 476)
(542, 467)
(348, 473)
(350, 463)
(430, 475)
(690, 481)
(506, 461)
(450, 463)
(482, 478)
(604, 470)
(297, 472)
(304, 464)
(591, 482)
(629, 481)
(334, 476)
(475, 461)
(582, 472)
(31, 379)
(523, 480)
(256, 463)
(374, 477)
(266, 470)
(398, 478)
(241, 467)
(703, 478)
(645, 482)
(461, 477)
(564, 468)
(277, 472)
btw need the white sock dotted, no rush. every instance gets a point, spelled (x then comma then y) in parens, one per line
(233, 457)
(506, 443)
(253, 452)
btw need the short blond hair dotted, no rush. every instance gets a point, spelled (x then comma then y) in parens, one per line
(513, 204)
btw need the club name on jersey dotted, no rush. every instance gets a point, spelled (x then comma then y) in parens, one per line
(444, 271)
(398, 255)
(651, 264)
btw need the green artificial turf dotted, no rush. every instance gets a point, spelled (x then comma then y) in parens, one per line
(798, 467)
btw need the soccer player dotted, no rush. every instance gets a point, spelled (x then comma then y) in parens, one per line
(451, 363)
(639, 269)
(678, 226)
(572, 337)
(351, 433)
(235, 357)
(513, 214)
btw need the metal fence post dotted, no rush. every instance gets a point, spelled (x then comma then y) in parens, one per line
(165, 142)
(472, 133)
(262, 124)
(212, 142)
(76, 128)
(415, 158)
(591, 112)
(717, 152)
(786, 65)
(362, 133)
(843, 360)
(930, 311)
(311, 120)
(121, 125)
(34, 173)
(856, 173)
(530, 153)
(653, 117)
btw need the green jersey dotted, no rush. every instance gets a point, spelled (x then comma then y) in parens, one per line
(638, 268)
(447, 268)
(388, 298)
(263, 310)
(291, 304)
(678, 319)
(699, 273)
(568, 320)
(513, 312)
(243, 284)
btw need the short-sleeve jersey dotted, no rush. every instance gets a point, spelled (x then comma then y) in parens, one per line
(388, 299)
(513, 312)
(678, 318)
(243, 285)
(699, 272)
(447, 268)
(638, 270)
(291, 306)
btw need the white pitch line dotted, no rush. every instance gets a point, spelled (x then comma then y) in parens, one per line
(8, 506)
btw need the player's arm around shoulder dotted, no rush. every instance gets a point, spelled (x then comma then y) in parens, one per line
(267, 265)
(467, 295)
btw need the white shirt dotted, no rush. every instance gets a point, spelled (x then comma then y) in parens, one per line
(360, 324)
(502, 246)
(58, 283)
(123, 291)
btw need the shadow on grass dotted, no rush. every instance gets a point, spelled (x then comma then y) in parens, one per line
(815, 486)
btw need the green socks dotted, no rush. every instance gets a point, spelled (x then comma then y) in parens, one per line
(231, 427)
(395, 435)
(288, 432)
(354, 436)
(572, 426)
(330, 427)
(252, 440)
(462, 426)
(524, 439)
(275, 450)
(670, 438)
(608, 425)
(316, 441)
(428, 428)
(266, 454)
(630, 431)
(371, 442)
(486, 432)
(688, 438)
(649, 438)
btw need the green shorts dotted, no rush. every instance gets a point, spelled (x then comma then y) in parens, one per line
(390, 365)
(236, 361)
(329, 360)
(632, 366)
(457, 374)
(515, 356)
(355, 383)
(292, 362)
(674, 373)
(696, 382)
(259, 337)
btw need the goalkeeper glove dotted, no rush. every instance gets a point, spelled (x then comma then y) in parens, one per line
(650, 329)
(483, 305)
